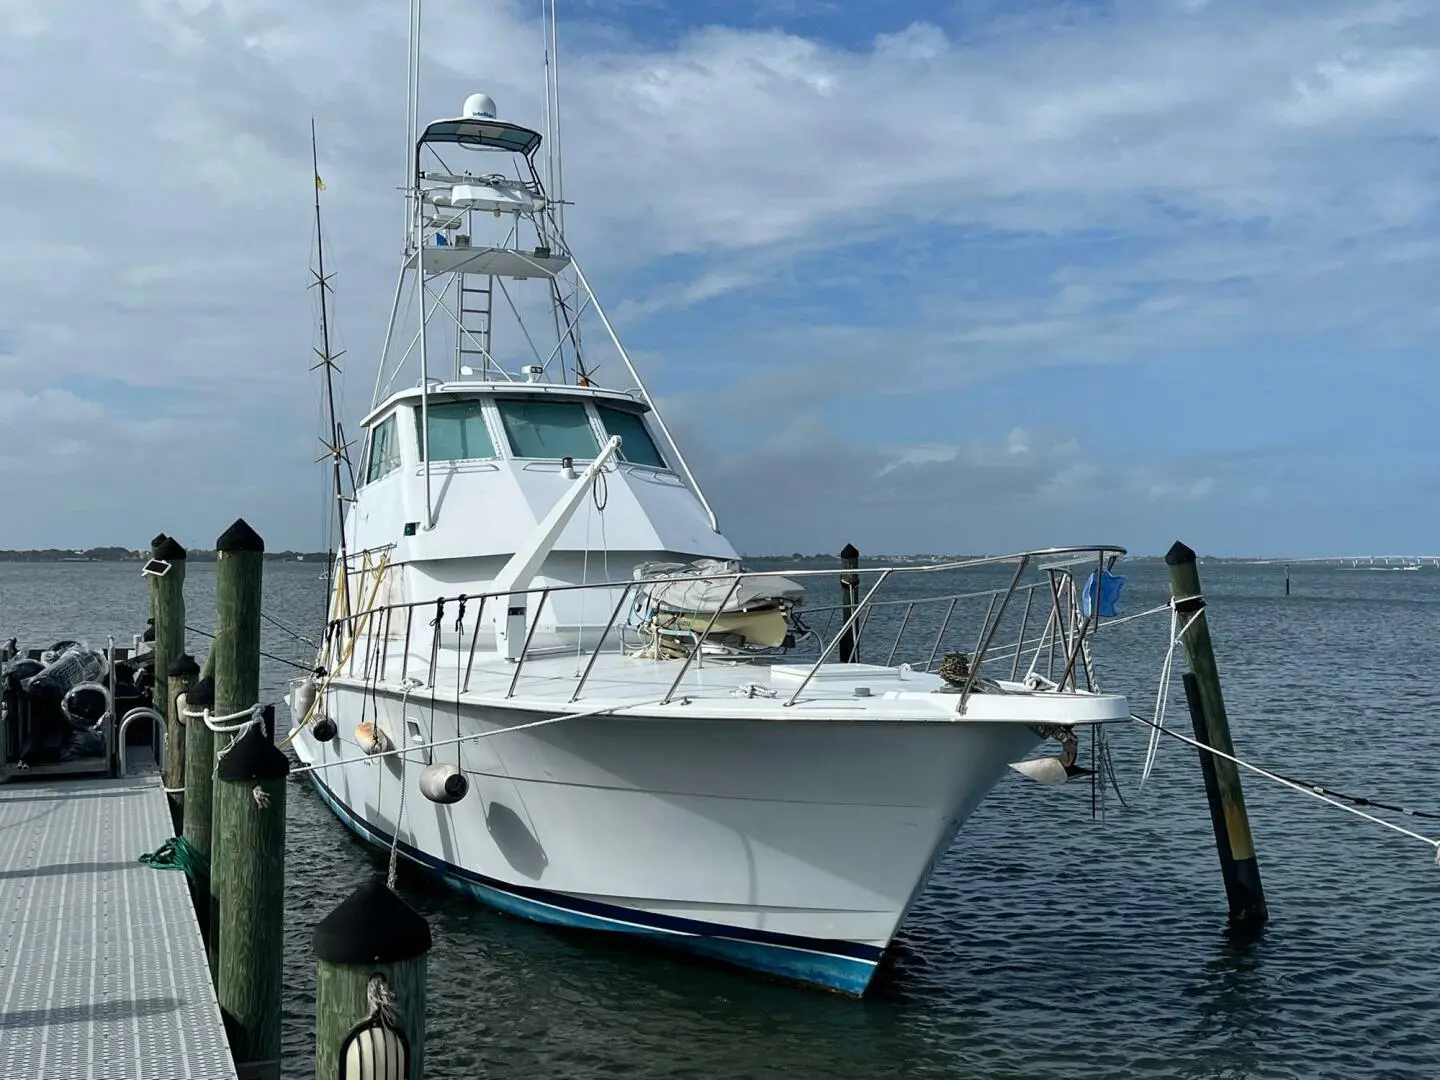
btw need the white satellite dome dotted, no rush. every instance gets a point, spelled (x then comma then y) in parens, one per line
(479, 105)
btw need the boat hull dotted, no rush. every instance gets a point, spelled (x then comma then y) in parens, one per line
(798, 960)
(793, 848)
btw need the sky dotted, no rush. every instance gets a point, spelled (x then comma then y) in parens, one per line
(922, 275)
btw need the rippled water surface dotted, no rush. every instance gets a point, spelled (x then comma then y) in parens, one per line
(1049, 944)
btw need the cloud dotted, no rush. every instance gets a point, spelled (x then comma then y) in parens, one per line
(818, 228)
(820, 492)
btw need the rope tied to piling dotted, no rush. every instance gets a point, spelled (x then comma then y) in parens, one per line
(237, 725)
(253, 716)
(1315, 791)
(222, 725)
(381, 1000)
(1167, 674)
(177, 853)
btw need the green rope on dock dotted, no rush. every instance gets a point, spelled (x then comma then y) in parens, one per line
(177, 853)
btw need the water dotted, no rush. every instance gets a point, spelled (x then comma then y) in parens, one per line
(1048, 944)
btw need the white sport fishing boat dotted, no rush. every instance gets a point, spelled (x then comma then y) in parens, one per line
(547, 676)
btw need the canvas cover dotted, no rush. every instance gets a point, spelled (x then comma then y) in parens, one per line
(703, 587)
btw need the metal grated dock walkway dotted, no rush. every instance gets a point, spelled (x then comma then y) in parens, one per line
(102, 968)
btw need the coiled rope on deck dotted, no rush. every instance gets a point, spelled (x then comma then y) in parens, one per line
(177, 853)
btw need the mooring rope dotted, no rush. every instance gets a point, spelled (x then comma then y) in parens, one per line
(1109, 624)
(607, 711)
(221, 725)
(393, 870)
(1315, 791)
(1162, 694)
(292, 632)
(1360, 800)
(268, 656)
(381, 999)
(253, 717)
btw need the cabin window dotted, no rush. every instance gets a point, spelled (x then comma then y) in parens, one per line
(457, 432)
(636, 446)
(548, 429)
(384, 450)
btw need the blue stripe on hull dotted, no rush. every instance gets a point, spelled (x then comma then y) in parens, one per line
(775, 954)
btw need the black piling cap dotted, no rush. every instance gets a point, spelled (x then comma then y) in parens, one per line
(201, 695)
(240, 537)
(184, 667)
(160, 538)
(372, 926)
(169, 549)
(849, 551)
(253, 758)
(1179, 555)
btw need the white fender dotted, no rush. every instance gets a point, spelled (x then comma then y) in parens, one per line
(443, 783)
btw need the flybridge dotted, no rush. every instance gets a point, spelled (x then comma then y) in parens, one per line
(461, 320)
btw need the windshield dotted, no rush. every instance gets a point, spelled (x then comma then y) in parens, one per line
(548, 429)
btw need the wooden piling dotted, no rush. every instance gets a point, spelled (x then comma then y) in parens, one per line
(234, 658)
(200, 787)
(372, 932)
(847, 650)
(247, 838)
(180, 675)
(158, 540)
(1234, 843)
(1212, 784)
(167, 595)
(250, 879)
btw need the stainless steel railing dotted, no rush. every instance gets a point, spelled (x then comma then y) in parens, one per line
(1063, 639)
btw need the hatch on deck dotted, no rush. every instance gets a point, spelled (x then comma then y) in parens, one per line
(795, 673)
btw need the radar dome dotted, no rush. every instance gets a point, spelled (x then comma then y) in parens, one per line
(478, 105)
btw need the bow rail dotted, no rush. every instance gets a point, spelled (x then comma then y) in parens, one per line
(919, 630)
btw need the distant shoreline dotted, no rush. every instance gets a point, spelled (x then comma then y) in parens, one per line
(124, 555)
(127, 555)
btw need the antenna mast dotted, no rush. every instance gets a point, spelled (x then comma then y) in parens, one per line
(335, 446)
(566, 327)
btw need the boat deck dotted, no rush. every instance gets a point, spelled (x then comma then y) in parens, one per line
(740, 690)
(102, 968)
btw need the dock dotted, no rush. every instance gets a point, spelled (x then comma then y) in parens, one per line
(103, 973)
